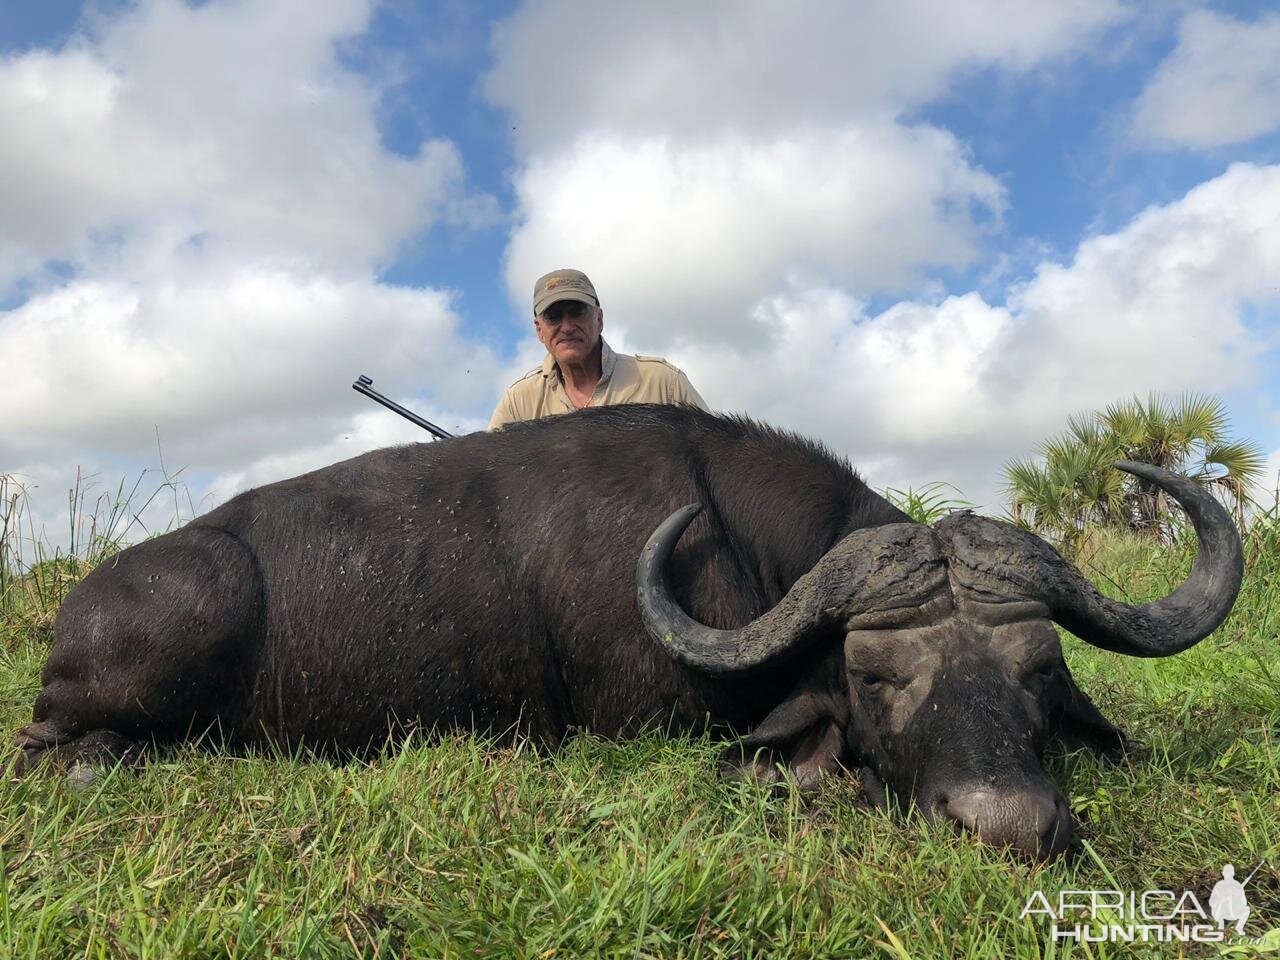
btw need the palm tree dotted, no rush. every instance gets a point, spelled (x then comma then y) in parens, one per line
(1076, 486)
(1072, 488)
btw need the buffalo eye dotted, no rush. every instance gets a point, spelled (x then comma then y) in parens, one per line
(875, 681)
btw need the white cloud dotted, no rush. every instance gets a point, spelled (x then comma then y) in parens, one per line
(697, 160)
(1220, 85)
(740, 179)
(1268, 486)
(1266, 492)
(951, 390)
(687, 70)
(231, 125)
(369, 430)
(674, 236)
(1164, 298)
(214, 179)
(226, 367)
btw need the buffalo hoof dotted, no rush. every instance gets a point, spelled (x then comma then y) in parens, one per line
(81, 758)
(81, 777)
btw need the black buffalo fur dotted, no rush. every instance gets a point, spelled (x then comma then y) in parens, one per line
(484, 582)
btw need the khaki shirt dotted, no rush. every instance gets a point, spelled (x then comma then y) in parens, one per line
(623, 379)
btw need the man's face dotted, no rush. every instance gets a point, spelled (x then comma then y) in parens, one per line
(569, 330)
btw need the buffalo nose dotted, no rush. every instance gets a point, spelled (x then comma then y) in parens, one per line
(1035, 822)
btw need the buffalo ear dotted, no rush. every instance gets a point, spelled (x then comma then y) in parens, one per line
(1077, 724)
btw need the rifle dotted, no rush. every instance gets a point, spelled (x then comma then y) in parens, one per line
(364, 385)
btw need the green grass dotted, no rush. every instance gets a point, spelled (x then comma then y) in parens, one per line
(469, 848)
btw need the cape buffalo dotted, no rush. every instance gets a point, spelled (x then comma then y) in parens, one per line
(491, 582)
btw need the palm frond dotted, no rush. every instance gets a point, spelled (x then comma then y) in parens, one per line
(1202, 418)
(1071, 485)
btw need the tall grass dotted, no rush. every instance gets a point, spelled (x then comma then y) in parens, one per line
(38, 567)
(473, 847)
(927, 504)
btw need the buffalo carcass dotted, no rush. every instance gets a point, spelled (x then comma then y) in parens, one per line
(491, 582)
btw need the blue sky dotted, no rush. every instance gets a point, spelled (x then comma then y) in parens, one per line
(925, 233)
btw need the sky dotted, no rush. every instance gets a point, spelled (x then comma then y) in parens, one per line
(925, 233)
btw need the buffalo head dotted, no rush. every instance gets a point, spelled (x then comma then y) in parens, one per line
(950, 681)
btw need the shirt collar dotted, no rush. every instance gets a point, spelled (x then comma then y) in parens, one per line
(608, 360)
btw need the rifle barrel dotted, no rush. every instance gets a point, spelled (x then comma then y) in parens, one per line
(364, 385)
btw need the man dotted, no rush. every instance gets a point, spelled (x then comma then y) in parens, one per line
(580, 369)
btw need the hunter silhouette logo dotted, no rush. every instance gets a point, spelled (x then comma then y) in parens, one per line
(1227, 901)
(1162, 916)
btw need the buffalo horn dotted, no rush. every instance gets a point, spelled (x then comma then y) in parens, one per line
(720, 653)
(866, 566)
(1189, 614)
(1158, 629)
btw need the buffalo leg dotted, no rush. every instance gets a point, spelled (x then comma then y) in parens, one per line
(95, 749)
(151, 646)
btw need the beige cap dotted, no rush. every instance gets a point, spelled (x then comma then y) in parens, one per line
(563, 285)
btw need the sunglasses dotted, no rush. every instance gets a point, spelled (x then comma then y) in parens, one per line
(558, 311)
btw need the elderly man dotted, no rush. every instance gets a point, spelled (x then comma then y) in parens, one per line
(580, 369)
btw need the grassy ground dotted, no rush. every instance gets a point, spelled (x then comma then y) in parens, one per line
(465, 848)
